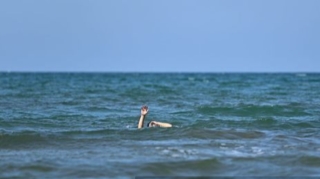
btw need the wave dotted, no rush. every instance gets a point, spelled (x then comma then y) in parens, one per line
(248, 110)
(21, 132)
(23, 139)
(265, 123)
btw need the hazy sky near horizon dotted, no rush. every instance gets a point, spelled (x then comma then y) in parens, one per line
(160, 35)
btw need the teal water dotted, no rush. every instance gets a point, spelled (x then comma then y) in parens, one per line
(83, 125)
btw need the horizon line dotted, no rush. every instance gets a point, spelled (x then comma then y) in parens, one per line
(270, 72)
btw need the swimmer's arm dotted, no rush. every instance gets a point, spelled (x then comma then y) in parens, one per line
(163, 124)
(144, 112)
(141, 121)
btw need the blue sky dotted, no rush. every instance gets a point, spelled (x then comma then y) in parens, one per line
(160, 35)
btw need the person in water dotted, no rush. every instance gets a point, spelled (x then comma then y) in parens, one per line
(144, 112)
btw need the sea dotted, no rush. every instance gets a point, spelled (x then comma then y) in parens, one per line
(84, 125)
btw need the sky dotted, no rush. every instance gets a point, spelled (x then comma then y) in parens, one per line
(160, 35)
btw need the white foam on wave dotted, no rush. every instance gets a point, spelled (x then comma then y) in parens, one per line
(176, 152)
(240, 151)
(257, 150)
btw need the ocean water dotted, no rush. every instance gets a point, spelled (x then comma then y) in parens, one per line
(84, 125)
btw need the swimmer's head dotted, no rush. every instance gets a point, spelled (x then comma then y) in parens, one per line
(152, 124)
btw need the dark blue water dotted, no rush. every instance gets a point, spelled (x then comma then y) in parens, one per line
(84, 125)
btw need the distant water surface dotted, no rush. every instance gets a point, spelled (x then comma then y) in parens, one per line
(84, 125)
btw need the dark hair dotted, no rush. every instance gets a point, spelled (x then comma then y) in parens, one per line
(148, 125)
